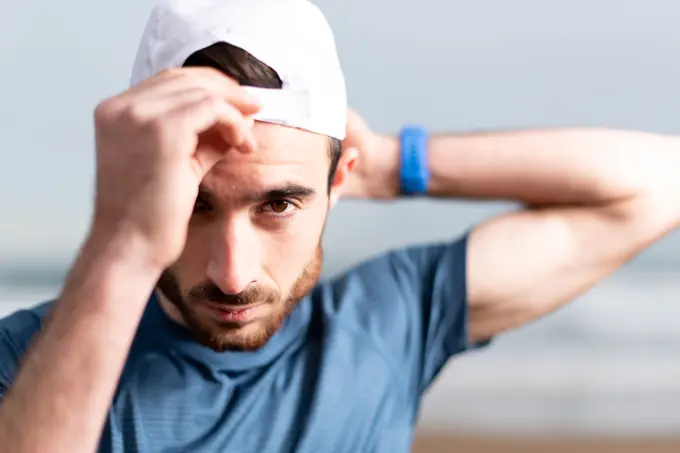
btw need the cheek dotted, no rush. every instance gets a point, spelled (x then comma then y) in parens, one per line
(289, 250)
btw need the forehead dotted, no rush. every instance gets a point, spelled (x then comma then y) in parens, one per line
(284, 155)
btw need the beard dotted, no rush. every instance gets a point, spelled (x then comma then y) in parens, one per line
(232, 336)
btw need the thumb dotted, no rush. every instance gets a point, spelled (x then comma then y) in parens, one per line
(211, 147)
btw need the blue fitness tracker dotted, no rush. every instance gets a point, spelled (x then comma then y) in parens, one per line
(414, 172)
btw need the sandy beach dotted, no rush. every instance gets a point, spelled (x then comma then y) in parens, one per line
(462, 444)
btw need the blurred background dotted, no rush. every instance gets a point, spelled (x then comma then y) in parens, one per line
(607, 367)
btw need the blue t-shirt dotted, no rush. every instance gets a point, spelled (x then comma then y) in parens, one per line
(345, 373)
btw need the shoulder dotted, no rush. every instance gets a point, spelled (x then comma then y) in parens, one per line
(410, 272)
(16, 332)
(410, 304)
(398, 289)
(25, 322)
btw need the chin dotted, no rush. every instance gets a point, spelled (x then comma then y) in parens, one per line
(244, 338)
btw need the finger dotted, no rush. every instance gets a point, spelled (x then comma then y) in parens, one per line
(206, 157)
(177, 80)
(175, 102)
(172, 100)
(234, 93)
(248, 144)
(214, 112)
(173, 80)
(235, 129)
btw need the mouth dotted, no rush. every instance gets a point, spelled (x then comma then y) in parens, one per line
(235, 313)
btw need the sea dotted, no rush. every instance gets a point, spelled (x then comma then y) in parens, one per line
(608, 364)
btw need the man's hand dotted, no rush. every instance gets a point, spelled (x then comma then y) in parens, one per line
(155, 143)
(377, 172)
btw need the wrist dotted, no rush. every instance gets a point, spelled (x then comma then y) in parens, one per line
(107, 289)
(389, 185)
(414, 165)
(122, 243)
(377, 174)
(119, 256)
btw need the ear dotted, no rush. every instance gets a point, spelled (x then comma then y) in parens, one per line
(346, 164)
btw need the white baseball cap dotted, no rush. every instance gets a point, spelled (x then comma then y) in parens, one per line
(291, 36)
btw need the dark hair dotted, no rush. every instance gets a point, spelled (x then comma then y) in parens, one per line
(248, 70)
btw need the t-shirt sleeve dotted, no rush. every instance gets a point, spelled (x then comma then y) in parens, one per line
(412, 304)
(8, 359)
(16, 333)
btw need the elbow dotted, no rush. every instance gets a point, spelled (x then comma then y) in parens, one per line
(650, 215)
(652, 206)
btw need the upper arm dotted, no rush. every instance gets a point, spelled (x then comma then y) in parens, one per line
(412, 303)
(526, 264)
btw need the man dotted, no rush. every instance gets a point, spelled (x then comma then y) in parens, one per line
(213, 187)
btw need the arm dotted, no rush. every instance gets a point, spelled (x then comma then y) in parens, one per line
(600, 197)
(147, 137)
(596, 197)
(62, 393)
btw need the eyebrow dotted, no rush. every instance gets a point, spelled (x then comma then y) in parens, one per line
(269, 194)
(287, 191)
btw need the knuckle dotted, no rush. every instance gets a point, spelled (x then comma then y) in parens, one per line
(212, 99)
(135, 114)
(220, 78)
(237, 133)
(214, 72)
(135, 117)
(171, 72)
(105, 111)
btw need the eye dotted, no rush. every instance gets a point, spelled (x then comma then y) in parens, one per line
(278, 207)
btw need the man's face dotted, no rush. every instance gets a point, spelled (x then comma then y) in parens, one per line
(254, 243)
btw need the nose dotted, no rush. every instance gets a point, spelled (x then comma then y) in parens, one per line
(234, 256)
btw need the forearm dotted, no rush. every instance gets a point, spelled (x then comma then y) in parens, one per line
(558, 166)
(64, 388)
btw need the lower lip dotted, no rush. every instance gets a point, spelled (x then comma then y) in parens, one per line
(235, 315)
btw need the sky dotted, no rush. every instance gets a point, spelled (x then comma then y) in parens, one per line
(453, 66)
